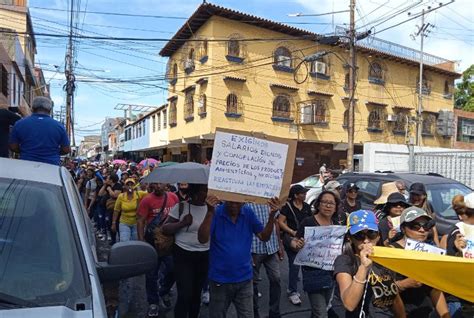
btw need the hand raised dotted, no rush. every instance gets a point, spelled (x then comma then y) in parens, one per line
(365, 252)
(274, 204)
(212, 201)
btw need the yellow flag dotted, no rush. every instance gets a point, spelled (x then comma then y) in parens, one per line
(453, 275)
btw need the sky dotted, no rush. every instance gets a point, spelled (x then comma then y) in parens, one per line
(452, 38)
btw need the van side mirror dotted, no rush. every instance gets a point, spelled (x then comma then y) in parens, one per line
(127, 259)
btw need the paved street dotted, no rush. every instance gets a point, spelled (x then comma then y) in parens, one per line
(139, 304)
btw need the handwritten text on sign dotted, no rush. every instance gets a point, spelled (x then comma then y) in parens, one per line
(413, 245)
(247, 165)
(322, 245)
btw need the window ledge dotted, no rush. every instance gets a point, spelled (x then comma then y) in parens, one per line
(173, 124)
(203, 114)
(282, 119)
(320, 76)
(203, 59)
(427, 135)
(173, 81)
(321, 123)
(235, 59)
(376, 81)
(375, 130)
(189, 118)
(232, 115)
(448, 96)
(283, 68)
(399, 132)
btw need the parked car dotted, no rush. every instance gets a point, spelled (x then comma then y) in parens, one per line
(48, 260)
(314, 185)
(440, 192)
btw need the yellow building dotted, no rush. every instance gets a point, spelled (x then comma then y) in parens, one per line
(234, 70)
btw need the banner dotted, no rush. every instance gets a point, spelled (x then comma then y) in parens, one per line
(412, 245)
(450, 274)
(250, 167)
(468, 231)
(322, 245)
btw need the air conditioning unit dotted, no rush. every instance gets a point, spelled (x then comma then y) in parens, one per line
(188, 64)
(319, 67)
(392, 118)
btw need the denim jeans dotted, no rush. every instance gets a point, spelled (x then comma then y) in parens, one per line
(162, 275)
(222, 295)
(319, 303)
(272, 267)
(293, 271)
(128, 232)
(101, 214)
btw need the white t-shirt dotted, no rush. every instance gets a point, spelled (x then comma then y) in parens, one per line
(91, 185)
(187, 237)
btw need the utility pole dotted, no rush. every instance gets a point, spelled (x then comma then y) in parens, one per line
(352, 77)
(70, 86)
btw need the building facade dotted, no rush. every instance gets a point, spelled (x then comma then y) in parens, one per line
(464, 129)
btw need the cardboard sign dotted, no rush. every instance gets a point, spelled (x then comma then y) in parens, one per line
(322, 245)
(412, 245)
(468, 231)
(250, 167)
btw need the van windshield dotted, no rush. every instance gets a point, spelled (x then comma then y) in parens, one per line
(39, 258)
(440, 196)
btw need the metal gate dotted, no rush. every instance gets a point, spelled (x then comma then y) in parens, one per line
(457, 165)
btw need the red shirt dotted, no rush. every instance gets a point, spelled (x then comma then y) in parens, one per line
(151, 205)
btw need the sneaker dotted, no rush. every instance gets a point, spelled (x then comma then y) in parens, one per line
(205, 298)
(109, 237)
(295, 299)
(153, 310)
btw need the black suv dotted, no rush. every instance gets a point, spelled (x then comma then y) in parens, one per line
(440, 191)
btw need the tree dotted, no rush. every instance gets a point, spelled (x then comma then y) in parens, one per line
(464, 93)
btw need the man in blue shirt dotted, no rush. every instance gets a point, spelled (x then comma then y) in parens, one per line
(39, 137)
(230, 228)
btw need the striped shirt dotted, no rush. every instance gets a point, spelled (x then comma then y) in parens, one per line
(262, 211)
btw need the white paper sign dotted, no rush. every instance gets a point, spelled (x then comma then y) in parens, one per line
(247, 165)
(412, 245)
(468, 231)
(396, 223)
(322, 245)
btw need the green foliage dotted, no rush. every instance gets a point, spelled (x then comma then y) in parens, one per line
(464, 93)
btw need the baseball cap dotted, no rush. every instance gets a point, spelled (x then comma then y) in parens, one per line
(412, 213)
(362, 220)
(469, 200)
(418, 188)
(351, 185)
(130, 180)
(332, 185)
(397, 197)
(297, 189)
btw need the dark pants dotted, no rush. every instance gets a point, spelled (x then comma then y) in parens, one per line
(163, 272)
(191, 273)
(272, 267)
(222, 295)
(293, 271)
(101, 214)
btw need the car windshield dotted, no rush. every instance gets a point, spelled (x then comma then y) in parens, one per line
(440, 196)
(39, 259)
(312, 182)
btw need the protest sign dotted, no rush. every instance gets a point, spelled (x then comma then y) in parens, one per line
(412, 245)
(468, 231)
(322, 245)
(395, 223)
(250, 167)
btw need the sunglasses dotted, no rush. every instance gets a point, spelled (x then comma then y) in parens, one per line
(362, 235)
(416, 226)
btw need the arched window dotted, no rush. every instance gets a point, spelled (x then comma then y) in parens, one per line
(189, 105)
(346, 81)
(345, 122)
(232, 104)
(174, 72)
(375, 71)
(375, 119)
(282, 57)
(428, 124)
(446, 88)
(401, 122)
(281, 107)
(173, 113)
(204, 47)
(202, 105)
(320, 111)
(191, 54)
(233, 47)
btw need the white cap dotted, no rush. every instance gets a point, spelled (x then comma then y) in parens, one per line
(469, 200)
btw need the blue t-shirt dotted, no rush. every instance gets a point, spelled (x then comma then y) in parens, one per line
(230, 259)
(40, 138)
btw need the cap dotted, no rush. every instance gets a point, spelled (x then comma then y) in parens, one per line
(41, 102)
(296, 189)
(362, 220)
(130, 180)
(350, 186)
(387, 189)
(397, 197)
(332, 185)
(412, 213)
(418, 188)
(469, 200)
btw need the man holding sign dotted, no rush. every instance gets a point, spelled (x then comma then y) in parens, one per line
(230, 228)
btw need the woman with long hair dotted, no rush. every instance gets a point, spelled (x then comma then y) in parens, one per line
(189, 255)
(363, 288)
(316, 282)
(419, 299)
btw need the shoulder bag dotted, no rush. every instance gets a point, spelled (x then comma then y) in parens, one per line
(164, 243)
